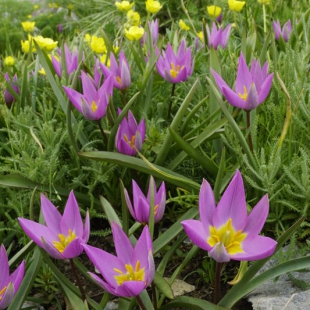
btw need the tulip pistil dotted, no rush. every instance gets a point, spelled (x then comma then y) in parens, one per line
(132, 274)
(228, 236)
(2, 292)
(175, 70)
(64, 241)
(245, 94)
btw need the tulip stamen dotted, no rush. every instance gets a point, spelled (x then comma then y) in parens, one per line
(118, 79)
(94, 106)
(175, 70)
(156, 209)
(2, 292)
(132, 142)
(64, 241)
(244, 96)
(132, 274)
(228, 236)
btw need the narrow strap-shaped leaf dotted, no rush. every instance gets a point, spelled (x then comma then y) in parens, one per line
(163, 286)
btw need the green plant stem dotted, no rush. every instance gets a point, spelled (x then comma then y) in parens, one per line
(154, 295)
(78, 281)
(170, 103)
(265, 26)
(105, 139)
(217, 283)
(124, 97)
(140, 302)
(248, 124)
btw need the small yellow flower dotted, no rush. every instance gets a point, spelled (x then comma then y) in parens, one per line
(28, 26)
(200, 36)
(264, 1)
(87, 38)
(9, 61)
(183, 26)
(153, 6)
(133, 18)
(115, 49)
(45, 43)
(35, 7)
(26, 46)
(29, 16)
(214, 11)
(70, 6)
(134, 33)
(98, 45)
(42, 71)
(235, 5)
(124, 6)
(103, 59)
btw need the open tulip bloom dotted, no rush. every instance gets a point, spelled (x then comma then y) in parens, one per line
(140, 210)
(120, 73)
(252, 86)
(283, 32)
(63, 234)
(130, 136)
(9, 284)
(218, 36)
(128, 273)
(92, 103)
(226, 231)
(175, 68)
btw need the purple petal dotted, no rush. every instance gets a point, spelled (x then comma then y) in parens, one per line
(129, 205)
(4, 267)
(232, 205)
(244, 77)
(107, 287)
(75, 98)
(219, 253)
(130, 288)
(265, 89)
(51, 215)
(206, 204)
(197, 233)
(50, 249)
(252, 99)
(7, 296)
(233, 98)
(122, 244)
(17, 276)
(86, 232)
(73, 249)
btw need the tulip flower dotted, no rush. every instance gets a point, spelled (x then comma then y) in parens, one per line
(92, 103)
(9, 61)
(8, 97)
(152, 6)
(175, 68)
(130, 136)
(28, 26)
(120, 73)
(140, 210)
(235, 5)
(71, 61)
(134, 33)
(285, 32)
(128, 273)
(252, 86)
(218, 36)
(226, 231)
(124, 6)
(153, 27)
(214, 11)
(9, 284)
(62, 235)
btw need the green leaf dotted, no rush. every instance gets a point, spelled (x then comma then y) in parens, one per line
(163, 286)
(109, 211)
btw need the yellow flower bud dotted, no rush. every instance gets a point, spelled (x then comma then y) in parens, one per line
(134, 33)
(235, 5)
(214, 11)
(183, 26)
(9, 61)
(28, 26)
(152, 6)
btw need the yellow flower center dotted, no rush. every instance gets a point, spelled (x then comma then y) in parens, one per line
(132, 142)
(132, 274)
(119, 80)
(2, 292)
(175, 70)
(244, 96)
(94, 107)
(64, 241)
(226, 234)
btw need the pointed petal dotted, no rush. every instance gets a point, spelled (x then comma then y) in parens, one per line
(4, 267)
(206, 204)
(197, 233)
(50, 249)
(110, 289)
(51, 214)
(233, 98)
(122, 244)
(73, 249)
(252, 99)
(89, 90)
(130, 288)
(142, 248)
(265, 89)
(129, 205)
(244, 77)
(219, 253)
(75, 98)
(17, 276)
(86, 231)
(7, 296)
(232, 205)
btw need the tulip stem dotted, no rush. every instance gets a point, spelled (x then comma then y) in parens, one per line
(217, 283)
(248, 121)
(124, 97)
(78, 281)
(154, 295)
(140, 302)
(170, 103)
(105, 139)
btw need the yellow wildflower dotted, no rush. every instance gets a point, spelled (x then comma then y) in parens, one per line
(28, 26)
(35, 7)
(183, 25)
(153, 6)
(45, 43)
(235, 5)
(26, 46)
(133, 18)
(124, 6)
(9, 61)
(214, 11)
(98, 45)
(134, 33)
(200, 36)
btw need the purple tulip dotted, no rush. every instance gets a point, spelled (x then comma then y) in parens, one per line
(92, 103)
(225, 230)
(130, 136)
(284, 32)
(252, 86)
(120, 73)
(71, 61)
(140, 210)
(9, 284)
(128, 273)
(8, 97)
(175, 68)
(63, 234)
(218, 36)
(153, 27)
